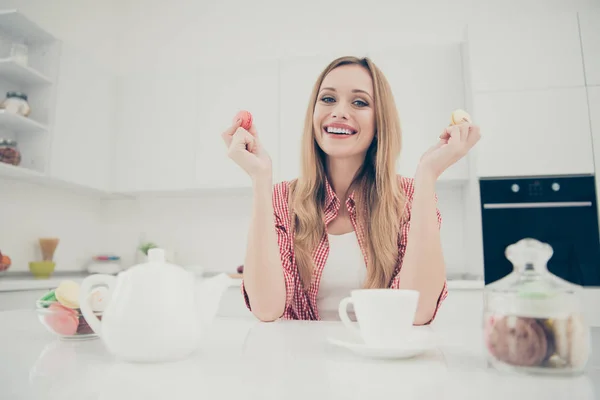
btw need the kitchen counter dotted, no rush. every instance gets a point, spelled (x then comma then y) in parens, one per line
(244, 358)
(25, 281)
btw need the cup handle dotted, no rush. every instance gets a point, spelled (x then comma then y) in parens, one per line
(85, 307)
(343, 312)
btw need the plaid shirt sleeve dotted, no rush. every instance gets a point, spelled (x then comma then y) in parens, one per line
(282, 226)
(409, 189)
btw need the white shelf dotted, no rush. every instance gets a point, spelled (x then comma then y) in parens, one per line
(22, 174)
(11, 171)
(19, 124)
(18, 73)
(18, 27)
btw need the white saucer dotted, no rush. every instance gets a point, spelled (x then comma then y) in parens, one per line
(409, 349)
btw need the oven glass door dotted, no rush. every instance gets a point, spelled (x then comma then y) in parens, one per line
(569, 227)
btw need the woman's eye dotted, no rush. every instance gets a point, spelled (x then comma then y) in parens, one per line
(328, 99)
(360, 103)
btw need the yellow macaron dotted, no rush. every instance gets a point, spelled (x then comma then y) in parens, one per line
(459, 116)
(67, 294)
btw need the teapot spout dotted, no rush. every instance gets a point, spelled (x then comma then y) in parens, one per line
(209, 294)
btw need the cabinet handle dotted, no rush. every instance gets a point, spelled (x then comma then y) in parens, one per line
(558, 204)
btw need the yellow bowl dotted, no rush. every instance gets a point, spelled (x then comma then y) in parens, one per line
(42, 269)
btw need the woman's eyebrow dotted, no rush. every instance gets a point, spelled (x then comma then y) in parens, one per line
(353, 91)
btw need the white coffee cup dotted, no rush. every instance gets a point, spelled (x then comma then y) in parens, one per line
(384, 316)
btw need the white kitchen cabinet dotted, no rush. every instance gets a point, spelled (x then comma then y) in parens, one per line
(297, 76)
(427, 84)
(84, 128)
(522, 53)
(542, 132)
(589, 22)
(157, 129)
(222, 92)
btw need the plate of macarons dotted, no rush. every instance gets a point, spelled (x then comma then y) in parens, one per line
(58, 310)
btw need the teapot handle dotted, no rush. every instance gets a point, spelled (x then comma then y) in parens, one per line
(86, 309)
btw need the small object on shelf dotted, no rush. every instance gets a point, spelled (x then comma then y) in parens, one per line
(145, 247)
(42, 269)
(9, 152)
(48, 247)
(240, 269)
(16, 103)
(5, 262)
(20, 53)
(246, 118)
(105, 264)
(533, 321)
(459, 116)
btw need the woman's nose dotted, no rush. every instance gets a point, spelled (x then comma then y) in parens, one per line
(340, 111)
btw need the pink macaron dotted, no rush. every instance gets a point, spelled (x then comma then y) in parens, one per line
(246, 118)
(62, 320)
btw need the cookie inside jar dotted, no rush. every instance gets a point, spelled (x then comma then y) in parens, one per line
(555, 343)
(532, 319)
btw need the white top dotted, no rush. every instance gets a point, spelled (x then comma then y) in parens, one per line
(344, 271)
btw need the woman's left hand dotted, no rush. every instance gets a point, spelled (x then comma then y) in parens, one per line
(455, 142)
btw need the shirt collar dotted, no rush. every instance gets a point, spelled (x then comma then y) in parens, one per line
(331, 197)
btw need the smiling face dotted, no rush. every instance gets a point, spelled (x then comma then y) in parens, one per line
(344, 113)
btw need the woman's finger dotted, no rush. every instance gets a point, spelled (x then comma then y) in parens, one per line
(474, 135)
(228, 134)
(464, 131)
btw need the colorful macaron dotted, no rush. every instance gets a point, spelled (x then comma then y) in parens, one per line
(62, 320)
(246, 119)
(67, 294)
(459, 116)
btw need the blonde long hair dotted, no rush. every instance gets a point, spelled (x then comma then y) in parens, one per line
(378, 197)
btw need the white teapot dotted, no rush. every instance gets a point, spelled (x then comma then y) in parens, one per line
(156, 312)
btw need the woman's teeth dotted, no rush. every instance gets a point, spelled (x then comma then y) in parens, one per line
(340, 131)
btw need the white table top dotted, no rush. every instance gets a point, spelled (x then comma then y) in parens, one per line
(243, 358)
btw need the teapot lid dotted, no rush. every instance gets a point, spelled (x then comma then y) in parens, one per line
(156, 259)
(156, 255)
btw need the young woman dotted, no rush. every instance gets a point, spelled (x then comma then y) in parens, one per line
(349, 221)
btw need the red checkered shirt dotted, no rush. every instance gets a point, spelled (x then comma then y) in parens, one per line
(300, 303)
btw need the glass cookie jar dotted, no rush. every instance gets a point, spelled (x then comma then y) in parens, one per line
(533, 320)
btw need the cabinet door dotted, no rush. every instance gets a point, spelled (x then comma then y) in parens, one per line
(521, 53)
(427, 84)
(83, 132)
(544, 132)
(298, 76)
(222, 92)
(589, 23)
(156, 130)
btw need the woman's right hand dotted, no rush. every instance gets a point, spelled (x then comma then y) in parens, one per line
(245, 149)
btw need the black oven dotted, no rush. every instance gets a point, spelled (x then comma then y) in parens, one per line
(559, 211)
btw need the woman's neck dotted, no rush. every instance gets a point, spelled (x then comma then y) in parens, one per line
(341, 172)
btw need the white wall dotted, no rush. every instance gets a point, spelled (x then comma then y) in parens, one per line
(28, 212)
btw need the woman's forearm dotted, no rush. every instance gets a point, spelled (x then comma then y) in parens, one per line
(263, 274)
(423, 267)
